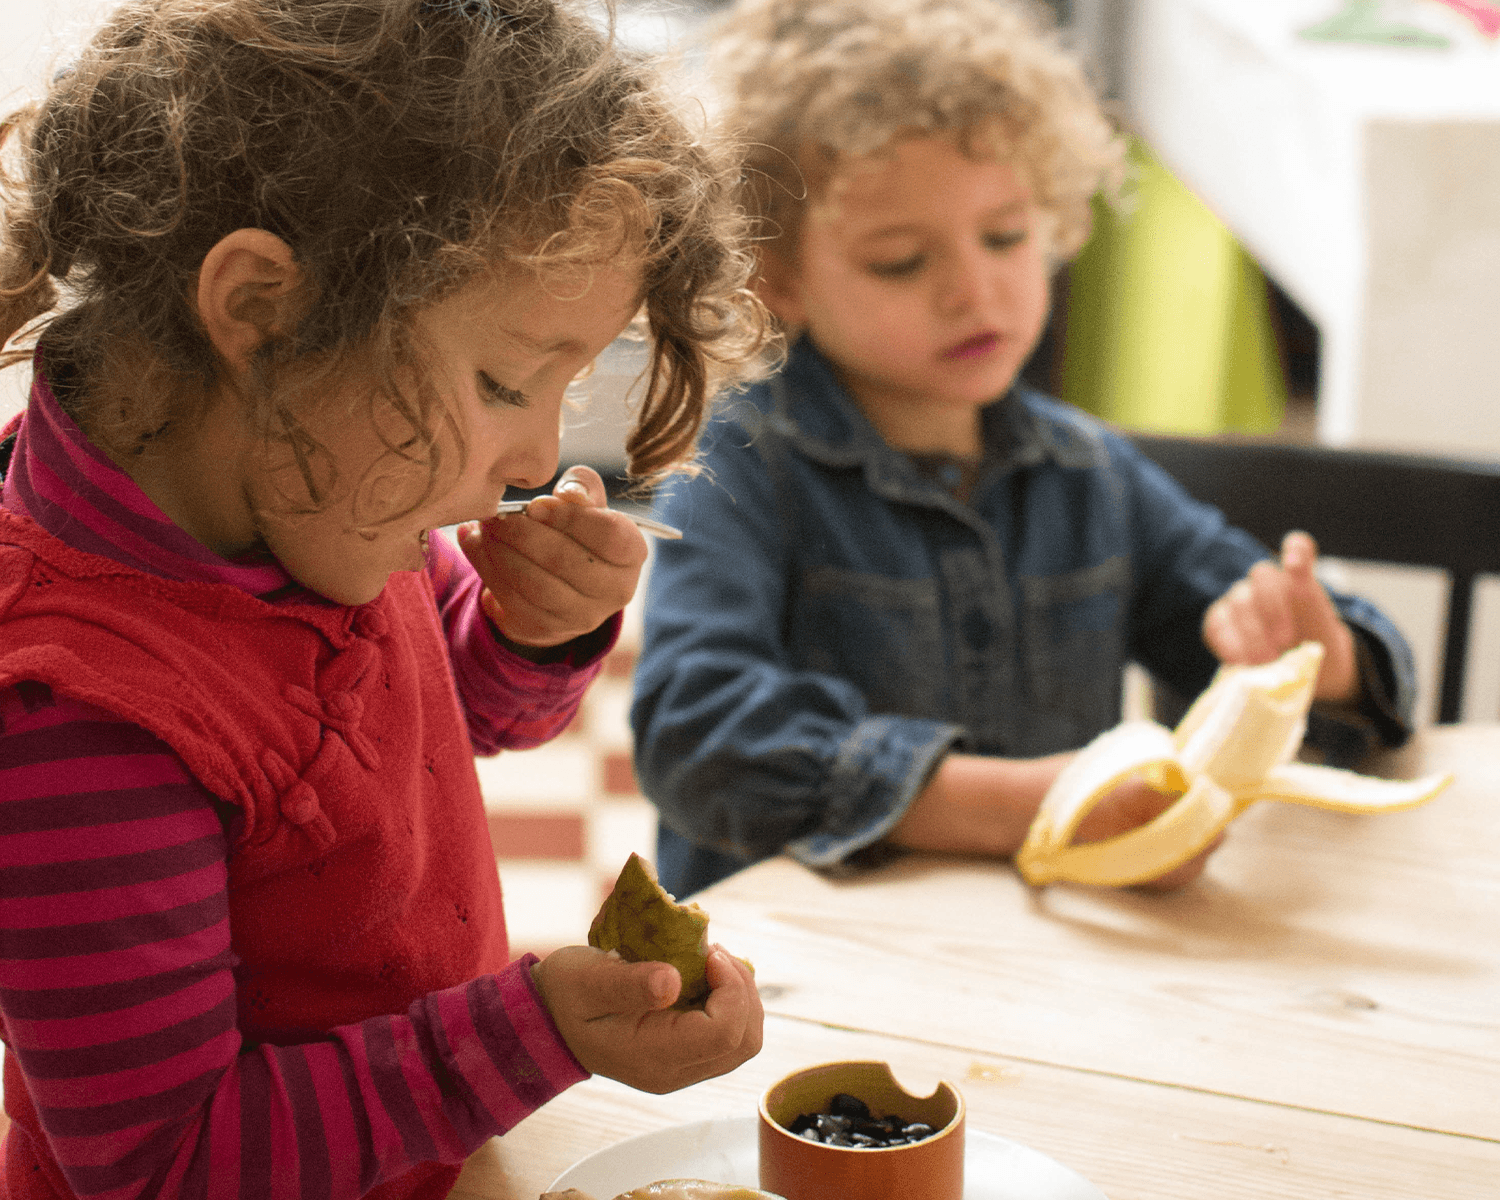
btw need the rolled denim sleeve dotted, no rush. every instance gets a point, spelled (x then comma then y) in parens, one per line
(740, 749)
(878, 772)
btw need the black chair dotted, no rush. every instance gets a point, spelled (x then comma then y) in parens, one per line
(1382, 507)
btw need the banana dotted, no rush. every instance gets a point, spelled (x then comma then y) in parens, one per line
(1233, 747)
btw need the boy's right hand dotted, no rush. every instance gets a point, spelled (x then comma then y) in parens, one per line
(617, 1017)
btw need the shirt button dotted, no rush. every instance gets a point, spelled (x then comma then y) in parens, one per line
(977, 631)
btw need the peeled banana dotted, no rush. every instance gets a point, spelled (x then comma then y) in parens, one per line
(1233, 747)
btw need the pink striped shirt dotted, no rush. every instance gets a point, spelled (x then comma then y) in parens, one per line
(117, 988)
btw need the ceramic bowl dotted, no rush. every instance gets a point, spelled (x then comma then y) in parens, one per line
(799, 1169)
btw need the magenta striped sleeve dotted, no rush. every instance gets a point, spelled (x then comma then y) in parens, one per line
(117, 995)
(510, 703)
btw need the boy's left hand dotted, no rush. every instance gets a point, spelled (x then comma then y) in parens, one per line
(1281, 605)
(560, 569)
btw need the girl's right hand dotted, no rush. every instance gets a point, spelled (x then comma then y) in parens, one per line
(617, 1017)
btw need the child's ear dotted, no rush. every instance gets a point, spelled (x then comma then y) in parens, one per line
(249, 290)
(779, 287)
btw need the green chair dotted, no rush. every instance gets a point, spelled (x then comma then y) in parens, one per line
(1168, 321)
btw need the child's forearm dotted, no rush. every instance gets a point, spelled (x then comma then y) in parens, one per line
(976, 804)
(509, 704)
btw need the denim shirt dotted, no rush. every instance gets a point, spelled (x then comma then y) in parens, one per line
(833, 622)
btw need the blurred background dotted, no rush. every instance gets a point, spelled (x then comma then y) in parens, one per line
(1310, 252)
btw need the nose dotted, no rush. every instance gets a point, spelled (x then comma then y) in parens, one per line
(968, 281)
(528, 450)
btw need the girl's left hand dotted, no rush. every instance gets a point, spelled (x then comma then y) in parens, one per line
(560, 569)
(617, 1019)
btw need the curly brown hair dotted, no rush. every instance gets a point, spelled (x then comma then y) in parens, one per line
(812, 84)
(400, 148)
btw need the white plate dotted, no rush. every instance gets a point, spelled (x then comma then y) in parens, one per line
(727, 1151)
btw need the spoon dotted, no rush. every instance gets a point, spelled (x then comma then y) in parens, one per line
(657, 528)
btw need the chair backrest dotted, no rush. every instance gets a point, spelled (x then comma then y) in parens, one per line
(1382, 507)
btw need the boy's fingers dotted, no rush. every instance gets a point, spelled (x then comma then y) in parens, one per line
(1299, 554)
(1222, 633)
(1314, 612)
(1238, 629)
(1272, 601)
(1244, 615)
(1183, 875)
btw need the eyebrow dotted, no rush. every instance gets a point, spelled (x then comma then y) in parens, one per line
(903, 227)
(537, 346)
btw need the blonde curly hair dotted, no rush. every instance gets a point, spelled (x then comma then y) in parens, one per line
(812, 84)
(400, 148)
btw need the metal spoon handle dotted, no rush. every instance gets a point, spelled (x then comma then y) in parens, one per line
(658, 528)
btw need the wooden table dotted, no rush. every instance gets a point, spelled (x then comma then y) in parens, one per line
(1318, 1017)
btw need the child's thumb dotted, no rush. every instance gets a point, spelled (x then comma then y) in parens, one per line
(644, 986)
(662, 983)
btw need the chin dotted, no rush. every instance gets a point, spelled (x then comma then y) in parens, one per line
(350, 594)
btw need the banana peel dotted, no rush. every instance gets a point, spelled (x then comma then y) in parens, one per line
(1233, 747)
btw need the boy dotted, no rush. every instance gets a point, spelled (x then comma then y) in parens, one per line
(908, 585)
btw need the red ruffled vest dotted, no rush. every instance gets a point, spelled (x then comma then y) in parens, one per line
(362, 877)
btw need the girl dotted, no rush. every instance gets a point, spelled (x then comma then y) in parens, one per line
(306, 282)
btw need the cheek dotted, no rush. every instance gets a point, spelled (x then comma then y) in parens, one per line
(876, 315)
(1032, 288)
(393, 487)
(1041, 268)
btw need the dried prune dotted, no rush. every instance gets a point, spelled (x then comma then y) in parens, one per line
(848, 1121)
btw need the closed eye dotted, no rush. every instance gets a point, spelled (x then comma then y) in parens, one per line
(1005, 241)
(498, 393)
(898, 268)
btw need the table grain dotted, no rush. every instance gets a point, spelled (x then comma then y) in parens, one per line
(1316, 1017)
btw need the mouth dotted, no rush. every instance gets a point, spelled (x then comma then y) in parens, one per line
(977, 346)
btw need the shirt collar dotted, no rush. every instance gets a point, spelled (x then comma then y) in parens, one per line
(813, 409)
(59, 479)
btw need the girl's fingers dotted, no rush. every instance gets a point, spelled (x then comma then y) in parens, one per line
(603, 535)
(554, 571)
(582, 485)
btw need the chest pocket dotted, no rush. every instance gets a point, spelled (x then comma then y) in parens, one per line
(1073, 650)
(882, 634)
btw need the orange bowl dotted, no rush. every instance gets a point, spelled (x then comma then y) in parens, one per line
(799, 1169)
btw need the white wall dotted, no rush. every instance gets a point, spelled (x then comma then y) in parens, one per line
(36, 37)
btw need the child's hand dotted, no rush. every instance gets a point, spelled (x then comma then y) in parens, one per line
(1276, 607)
(1131, 804)
(560, 569)
(617, 1019)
